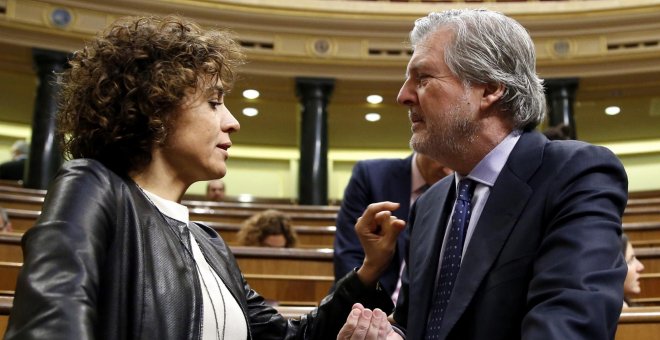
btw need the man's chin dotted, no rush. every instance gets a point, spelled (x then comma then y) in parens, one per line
(417, 144)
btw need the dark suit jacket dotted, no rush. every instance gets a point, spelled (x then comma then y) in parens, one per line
(12, 169)
(544, 260)
(372, 181)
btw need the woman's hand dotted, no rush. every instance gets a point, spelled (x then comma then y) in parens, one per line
(362, 323)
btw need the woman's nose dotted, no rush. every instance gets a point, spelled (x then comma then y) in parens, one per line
(230, 124)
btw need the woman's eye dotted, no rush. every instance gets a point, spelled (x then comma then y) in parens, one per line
(215, 104)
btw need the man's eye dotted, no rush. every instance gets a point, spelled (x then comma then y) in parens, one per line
(215, 104)
(422, 80)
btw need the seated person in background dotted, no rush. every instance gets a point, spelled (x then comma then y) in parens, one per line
(269, 228)
(5, 223)
(114, 254)
(14, 169)
(375, 180)
(558, 132)
(635, 267)
(215, 190)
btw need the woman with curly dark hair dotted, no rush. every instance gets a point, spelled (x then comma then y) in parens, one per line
(114, 254)
(269, 228)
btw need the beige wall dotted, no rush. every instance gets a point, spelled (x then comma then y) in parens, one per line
(273, 172)
(274, 175)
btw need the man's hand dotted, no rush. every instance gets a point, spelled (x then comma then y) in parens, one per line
(378, 231)
(362, 323)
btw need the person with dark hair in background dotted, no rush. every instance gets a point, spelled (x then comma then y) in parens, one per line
(15, 168)
(215, 190)
(269, 228)
(394, 179)
(523, 242)
(558, 132)
(114, 254)
(635, 267)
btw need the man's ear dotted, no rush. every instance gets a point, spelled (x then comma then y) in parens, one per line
(493, 92)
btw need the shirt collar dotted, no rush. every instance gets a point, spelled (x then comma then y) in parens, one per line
(169, 208)
(416, 179)
(489, 168)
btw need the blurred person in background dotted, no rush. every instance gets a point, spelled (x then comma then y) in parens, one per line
(269, 228)
(215, 190)
(15, 168)
(631, 286)
(5, 223)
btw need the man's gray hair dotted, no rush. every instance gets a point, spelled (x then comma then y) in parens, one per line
(491, 48)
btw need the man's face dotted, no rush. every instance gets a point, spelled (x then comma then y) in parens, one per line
(442, 110)
(216, 191)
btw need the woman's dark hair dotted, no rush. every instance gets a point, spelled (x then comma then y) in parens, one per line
(120, 92)
(255, 229)
(624, 244)
(624, 247)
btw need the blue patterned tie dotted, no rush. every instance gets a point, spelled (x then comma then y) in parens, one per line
(451, 259)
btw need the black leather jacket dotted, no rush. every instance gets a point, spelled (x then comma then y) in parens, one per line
(100, 263)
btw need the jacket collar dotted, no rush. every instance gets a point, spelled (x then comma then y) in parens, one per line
(506, 203)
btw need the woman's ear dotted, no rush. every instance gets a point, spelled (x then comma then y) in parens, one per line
(493, 92)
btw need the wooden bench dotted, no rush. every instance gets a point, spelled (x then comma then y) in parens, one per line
(238, 216)
(639, 323)
(256, 207)
(292, 276)
(308, 236)
(644, 202)
(21, 201)
(21, 219)
(10, 247)
(636, 323)
(650, 285)
(641, 214)
(296, 276)
(32, 199)
(9, 274)
(643, 234)
(6, 303)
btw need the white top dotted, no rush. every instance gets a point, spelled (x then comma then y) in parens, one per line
(222, 316)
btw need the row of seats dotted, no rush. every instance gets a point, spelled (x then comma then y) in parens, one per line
(299, 276)
(646, 211)
(641, 234)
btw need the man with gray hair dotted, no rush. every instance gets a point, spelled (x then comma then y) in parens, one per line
(522, 242)
(14, 169)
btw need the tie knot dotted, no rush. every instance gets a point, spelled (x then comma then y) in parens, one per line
(465, 189)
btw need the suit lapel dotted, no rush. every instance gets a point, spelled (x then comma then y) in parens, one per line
(404, 170)
(506, 202)
(426, 239)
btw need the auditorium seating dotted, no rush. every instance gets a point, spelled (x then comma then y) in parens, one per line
(291, 276)
(641, 234)
(639, 323)
(299, 278)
